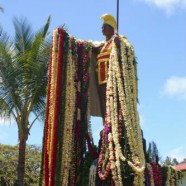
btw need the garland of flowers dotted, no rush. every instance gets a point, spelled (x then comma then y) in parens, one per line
(112, 158)
(52, 146)
(45, 157)
(66, 121)
(56, 110)
(177, 177)
(62, 108)
(157, 174)
(134, 136)
(74, 160)
(172, 176)
(168, 180)
(81, 126)
(137, 137)
(150, 174)
(47, 136)
(69, 117)
(52, 93)
(103, 171)
(78, 120)
(127, 101)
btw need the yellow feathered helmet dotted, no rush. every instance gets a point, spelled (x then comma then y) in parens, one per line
(109, 19)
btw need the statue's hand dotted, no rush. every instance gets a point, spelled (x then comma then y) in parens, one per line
(97, 49)
(117, 40)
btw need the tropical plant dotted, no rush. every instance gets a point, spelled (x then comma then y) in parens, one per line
(152, 153)
(23, 79)
(170, 162)
(8, 164)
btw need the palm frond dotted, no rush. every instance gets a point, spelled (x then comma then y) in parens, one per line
(6, 110)
(23, 69)
(31, 61)
(8, 83)
(23, 34)
(45, 28)
(38, 61)
(4, 38)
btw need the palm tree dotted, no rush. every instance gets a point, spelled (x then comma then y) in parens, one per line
(23, 80)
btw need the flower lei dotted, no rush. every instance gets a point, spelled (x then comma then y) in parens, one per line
(81, 125)
(52, 92)
(168, 180)
(157, 174)
(68, 122)
(53, 104)
(128, 102)
(150, 174)
(63, 116)
(172, 177)
(46, 129)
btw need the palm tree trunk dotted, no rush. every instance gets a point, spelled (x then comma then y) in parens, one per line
(21, 162)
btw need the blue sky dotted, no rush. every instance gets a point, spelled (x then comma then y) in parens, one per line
(157, 30)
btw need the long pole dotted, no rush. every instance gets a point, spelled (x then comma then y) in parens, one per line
(117, 15)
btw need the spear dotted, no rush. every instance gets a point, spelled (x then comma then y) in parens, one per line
(117, 15)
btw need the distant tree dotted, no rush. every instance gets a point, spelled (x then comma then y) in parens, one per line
(169, 161)
(184, 161)
(148, 154)
(152, 153)
(23, 80)
(174, 161)
(8, 164)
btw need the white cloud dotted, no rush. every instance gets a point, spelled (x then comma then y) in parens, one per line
(175, 86)
(167, 5)
(178, 153)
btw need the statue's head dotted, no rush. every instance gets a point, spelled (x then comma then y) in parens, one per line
(109, 24)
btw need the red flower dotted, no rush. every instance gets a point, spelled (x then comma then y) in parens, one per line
(56, 109)
(157, 174)
(46, 157)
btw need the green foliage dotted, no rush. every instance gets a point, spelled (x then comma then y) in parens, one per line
(8, 164)
(164, 174)
(23, 79)
(170, 162)
(152, 153)
(23, 72)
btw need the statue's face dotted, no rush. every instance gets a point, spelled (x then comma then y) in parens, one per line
(107, 30)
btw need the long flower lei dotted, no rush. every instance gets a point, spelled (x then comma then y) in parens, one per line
(66, 123)
(172, 177)
(128, 102)
(46, 130)
(150, 174)
(157, 174)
